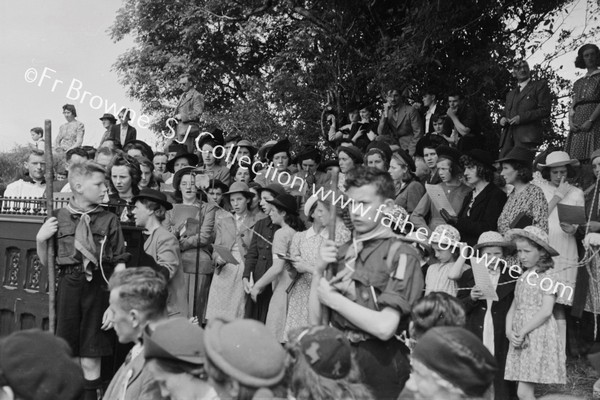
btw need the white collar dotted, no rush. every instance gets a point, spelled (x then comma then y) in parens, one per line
(312, 233)
(523, 84)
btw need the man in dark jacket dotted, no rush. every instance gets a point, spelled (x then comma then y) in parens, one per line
(527, 106)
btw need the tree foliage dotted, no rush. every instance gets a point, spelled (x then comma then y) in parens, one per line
(267, 66)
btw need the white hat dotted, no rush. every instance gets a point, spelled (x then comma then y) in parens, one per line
(558, 159)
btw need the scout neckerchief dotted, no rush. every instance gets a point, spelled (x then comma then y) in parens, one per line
(84, 239)
(343, 280)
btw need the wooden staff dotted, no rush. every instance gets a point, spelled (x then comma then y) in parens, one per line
(329, 271)
(49, 176)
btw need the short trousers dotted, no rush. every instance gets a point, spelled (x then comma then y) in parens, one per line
(80, 306)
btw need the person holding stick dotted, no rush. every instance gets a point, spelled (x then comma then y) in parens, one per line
(377, 280)
(89, 246)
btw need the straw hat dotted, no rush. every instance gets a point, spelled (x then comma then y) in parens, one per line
(446, 234)
(534, 234)
(558, 159)
(492, 239)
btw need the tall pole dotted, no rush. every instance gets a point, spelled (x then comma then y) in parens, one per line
(329, 272)
(49, 176)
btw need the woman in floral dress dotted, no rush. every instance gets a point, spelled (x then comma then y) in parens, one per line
(584, 135)
(305, 251)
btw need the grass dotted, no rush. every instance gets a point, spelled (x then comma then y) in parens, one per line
(580, 380)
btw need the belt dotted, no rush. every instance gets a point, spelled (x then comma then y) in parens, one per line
(70, 269)
(357, 336)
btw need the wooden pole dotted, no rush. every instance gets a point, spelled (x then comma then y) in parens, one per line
(329, 272)
(49, 175)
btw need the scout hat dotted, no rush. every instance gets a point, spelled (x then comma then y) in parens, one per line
(37, 365)
(459, 357)
(534, 234)
(245, 350)
(558, 159)
(175, 339)
(153, 195)
(247, 144)
(239, 187)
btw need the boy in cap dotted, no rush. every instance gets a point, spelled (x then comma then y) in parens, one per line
(88, 248)
(450, 363)
(176, 354)
(377, 280)
(244, 360)
(36, 365)
(138, 298)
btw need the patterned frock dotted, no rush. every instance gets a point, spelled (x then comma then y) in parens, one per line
(580, 145)
(305, 246)
(532, 201)
(542, 360)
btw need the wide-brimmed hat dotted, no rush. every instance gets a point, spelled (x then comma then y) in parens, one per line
(262, 151)
(283, 146)
(216, 183)
(558, 159)
(179, 175)
(408, 160)
(246, 351)
(353, 152)
(483, 157)
(153, 195)
(448, 152)
(493, 239)
(192, 158)
(286, 202)
(535, 234)
(275, 189)
(519, 154)
(175, 339)
(247, 144)
(310, 202)
(239, 187)
(445, 234)
(109, 117)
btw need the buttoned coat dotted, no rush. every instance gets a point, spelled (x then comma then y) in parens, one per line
(532, 104)
(486, 209)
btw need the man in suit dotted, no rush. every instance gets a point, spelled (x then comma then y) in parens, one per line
(527, 106)
(188, 111)
(138, 298)
(400, 121)
(123, 133)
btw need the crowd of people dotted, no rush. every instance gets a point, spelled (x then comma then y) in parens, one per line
(268, 273)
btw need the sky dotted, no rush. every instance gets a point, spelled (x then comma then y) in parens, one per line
(53, 51)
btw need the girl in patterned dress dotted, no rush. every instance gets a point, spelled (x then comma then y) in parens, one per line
(535, 353)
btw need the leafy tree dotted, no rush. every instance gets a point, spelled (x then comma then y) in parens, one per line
(267, 66)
